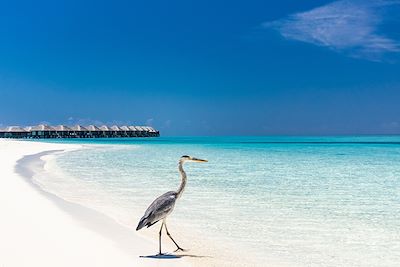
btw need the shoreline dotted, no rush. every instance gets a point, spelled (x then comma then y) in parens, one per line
(97, 240)
(204, 251)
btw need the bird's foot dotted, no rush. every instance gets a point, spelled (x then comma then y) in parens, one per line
(180, 249)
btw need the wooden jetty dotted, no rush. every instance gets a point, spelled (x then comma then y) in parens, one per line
(44, 131)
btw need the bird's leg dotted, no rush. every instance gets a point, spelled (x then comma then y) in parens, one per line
(176, 244)
(159, 239)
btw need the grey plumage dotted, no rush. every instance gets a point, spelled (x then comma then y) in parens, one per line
(158, 210)
(162, 206)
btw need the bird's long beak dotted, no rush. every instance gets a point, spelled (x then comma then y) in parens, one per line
(199, 160)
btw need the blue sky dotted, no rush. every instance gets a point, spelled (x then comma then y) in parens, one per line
(203, 67)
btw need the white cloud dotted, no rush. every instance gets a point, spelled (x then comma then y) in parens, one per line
(83, 121)
(347, 26)
(149, 122)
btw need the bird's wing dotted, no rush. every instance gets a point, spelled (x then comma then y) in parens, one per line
(159, 209)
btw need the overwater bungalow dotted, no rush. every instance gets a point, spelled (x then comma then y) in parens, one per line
(15, 132)
(94, 131)
(42, 131)
(148, 130)
(124, 131)
(77, 131)
(105, 131)
(63, 131)
(115, 131)
(133, 131)
(139, 131)
(80, 131)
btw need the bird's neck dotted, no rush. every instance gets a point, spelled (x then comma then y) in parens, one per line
(183, 181)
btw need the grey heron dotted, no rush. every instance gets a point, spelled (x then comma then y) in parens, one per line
(164, 204)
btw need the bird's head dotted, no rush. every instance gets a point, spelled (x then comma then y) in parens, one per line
(191, 159)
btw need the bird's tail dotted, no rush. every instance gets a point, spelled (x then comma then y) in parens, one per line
(142, 223)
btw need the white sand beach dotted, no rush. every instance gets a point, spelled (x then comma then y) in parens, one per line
(39, 229)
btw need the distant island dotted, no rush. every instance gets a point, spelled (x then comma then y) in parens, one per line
(43, 131)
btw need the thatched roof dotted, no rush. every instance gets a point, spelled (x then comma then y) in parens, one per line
(146, 128)
(93, 128)
(124, 128)
(42, 127)
(62, 128)
(115, 128)
(15, 129)
(104, 128)
(78, 128)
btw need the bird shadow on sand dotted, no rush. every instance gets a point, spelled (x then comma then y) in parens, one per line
(168, 256)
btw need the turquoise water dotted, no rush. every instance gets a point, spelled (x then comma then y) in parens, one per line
(279, 201)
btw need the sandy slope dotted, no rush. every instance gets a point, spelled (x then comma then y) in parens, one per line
(36, 231)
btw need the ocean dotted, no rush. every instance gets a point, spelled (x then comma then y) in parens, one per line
(268, 201)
